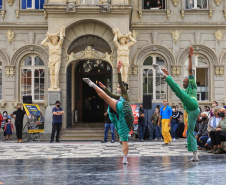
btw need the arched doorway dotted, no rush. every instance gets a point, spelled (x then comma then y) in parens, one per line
(89, 56)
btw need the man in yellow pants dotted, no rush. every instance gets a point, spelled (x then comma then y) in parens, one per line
(166, 117)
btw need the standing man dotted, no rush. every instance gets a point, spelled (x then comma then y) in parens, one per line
(57, 121)
(19, 122)
(108, 124)
(141, 122)
(166, 117)
(189, 99)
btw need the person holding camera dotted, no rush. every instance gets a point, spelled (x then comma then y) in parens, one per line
(141, 122)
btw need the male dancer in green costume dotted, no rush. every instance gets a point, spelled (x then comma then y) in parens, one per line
(189, 99)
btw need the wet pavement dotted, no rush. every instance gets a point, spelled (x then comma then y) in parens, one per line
(94, 163)
(140, 170)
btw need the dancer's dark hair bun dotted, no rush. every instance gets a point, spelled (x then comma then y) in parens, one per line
(125, 85)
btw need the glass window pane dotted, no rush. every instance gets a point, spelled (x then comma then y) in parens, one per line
(0, 4)
(202, 61)
(27, 61)
(148, 61)
(154, 4)
(37, 4)
(148, 82)
(202, 4)
(189, 4)
(202, 83)
(161, 87)
(39, 82)
(38, 61)
(29, 3)
(24, 2)
(42, 2)
(160, 61)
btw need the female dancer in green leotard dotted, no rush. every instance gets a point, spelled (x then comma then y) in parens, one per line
(120, 111)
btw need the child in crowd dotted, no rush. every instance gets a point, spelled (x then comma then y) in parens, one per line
(9, 128)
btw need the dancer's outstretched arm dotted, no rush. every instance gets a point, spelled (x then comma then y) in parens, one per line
(108, 92)
(190, 61)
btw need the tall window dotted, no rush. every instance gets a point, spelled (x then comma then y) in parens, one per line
(32, 78)
(154, 84)
(200, 71)
(154, 4)
(196, 4)
(0, 4)
(32, 4)
(0, 80)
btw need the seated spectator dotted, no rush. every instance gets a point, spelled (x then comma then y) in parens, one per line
(214, 104)
(219, 134)
(108, 125)
(198, 123)
(213, 123)
(208, 111)
(202, 134)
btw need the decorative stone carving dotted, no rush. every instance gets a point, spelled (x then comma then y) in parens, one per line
(17, 14)
(176, 70)
(134, 34)
(176, 36)
(57, 2)
(175, 2)
(71, 8)
(10, 36)
(218, 2)
(88, 54)
(219, 35)
(83, 1)
(133, 70)
(104, 1)
(45, 14)
(54, 42)
(197, 37)
(139, 14)
(10, 2)
(3, 103)
(122, 43)
(168, 14)
(211, 14)
(182, 14)
(224, 13)
(154, 35)
(219, 71)
(3, 13)
(105, 8)
(9, 71)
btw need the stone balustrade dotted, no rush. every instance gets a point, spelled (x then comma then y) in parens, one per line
(89, 2)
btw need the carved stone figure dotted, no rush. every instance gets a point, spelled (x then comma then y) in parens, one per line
(10, 2)
(122, 43)
(10, 36)
(218, 2)
(219, 35)
(175, 2)
(54, 42)
(176, 36)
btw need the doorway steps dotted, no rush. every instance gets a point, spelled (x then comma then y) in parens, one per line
(85, 132)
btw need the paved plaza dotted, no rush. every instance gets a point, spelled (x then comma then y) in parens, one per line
(99, 164)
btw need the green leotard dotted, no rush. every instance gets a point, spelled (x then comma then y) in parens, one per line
(189, 99)
(125, 117)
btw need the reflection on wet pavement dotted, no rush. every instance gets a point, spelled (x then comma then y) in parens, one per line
(140, 170)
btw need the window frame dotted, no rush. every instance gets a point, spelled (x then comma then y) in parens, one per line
(194, 67)
(33, 2)
(150, 67)
(196, 6)
(142, 6)
(32, 68)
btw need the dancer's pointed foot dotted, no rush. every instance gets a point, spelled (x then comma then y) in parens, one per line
(159, 70)
(89, 82)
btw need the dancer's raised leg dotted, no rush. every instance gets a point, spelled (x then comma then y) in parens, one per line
(110, 101)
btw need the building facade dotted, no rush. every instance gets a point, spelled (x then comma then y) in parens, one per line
(164, 30)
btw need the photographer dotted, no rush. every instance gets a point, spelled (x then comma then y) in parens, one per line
(141, 122)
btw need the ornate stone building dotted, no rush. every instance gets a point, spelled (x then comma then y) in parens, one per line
(164, 30)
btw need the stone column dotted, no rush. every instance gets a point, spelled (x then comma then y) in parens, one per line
(53, 96)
